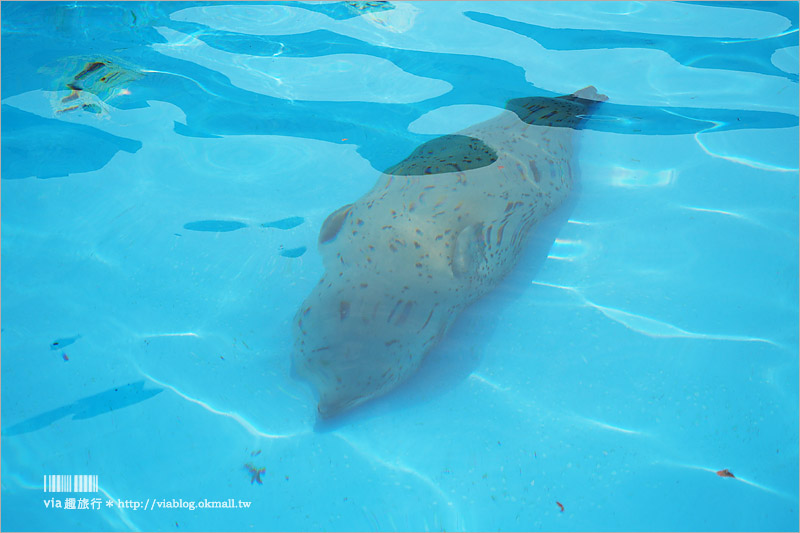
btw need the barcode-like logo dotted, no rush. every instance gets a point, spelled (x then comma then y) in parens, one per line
(68, 483)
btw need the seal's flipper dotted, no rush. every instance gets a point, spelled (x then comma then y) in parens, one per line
(469, 253)
(332, 225)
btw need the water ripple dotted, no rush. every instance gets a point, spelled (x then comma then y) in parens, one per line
(399, 467)
(650, 326)
(618, 429)
(736, 478)
(250, 428)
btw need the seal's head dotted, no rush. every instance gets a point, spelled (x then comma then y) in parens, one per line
(360, 347)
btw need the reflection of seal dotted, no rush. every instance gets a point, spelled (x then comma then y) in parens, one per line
(439, 230)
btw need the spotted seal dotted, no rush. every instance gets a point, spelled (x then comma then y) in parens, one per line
(438, 230)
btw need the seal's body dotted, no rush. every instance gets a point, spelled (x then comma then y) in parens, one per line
(437, 231)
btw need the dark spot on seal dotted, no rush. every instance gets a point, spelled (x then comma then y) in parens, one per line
(449, 153)
(562, 112)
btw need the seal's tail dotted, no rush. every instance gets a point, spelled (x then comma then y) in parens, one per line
(566, 111)
(590, 93)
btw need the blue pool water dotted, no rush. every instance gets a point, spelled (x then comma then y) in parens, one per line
(166, 169)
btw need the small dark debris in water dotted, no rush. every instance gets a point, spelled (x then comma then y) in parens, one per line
(560, 506)
(92, 108)
(253, 454)
(287, 478)
(293, 252)
(71, 108)
(284, 223)
(725, 473)
(61, 343)
(215, 225)
(255, 473)
(65, 357)
(72, 96)
(221, 357)
(91, 67)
